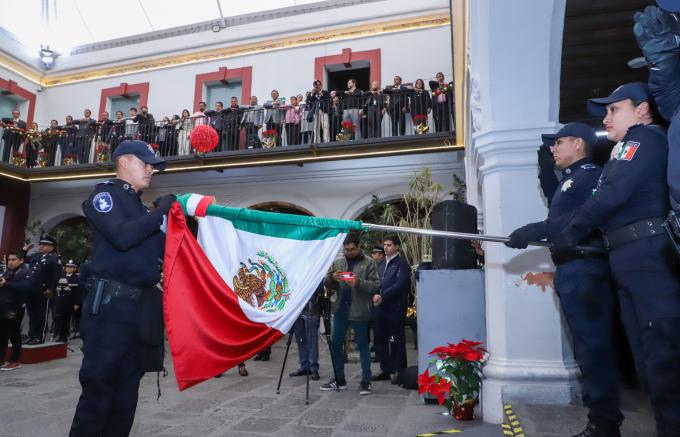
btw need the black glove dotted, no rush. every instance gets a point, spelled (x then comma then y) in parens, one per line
(561, 246)
(163, 203)
(658, 34)
(545, 158)
(520, 237)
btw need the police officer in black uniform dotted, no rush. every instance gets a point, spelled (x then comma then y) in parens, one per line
(45, 274)
(122, 315)
(581, 278)
(629, 205)
(66, 296)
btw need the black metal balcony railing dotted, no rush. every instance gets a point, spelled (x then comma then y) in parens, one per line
(353, 118)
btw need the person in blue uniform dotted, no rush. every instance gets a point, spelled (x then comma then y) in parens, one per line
(45, 274)
(122, 316)
(65, 297)
(629, 205)
(581, 278)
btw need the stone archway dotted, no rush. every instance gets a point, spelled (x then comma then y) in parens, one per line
(282, 207)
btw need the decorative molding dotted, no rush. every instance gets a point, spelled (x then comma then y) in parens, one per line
(314, 38)
(9, 87)
(229, 22)
(347, 57)
(224, 74)
(29, 73)
(123, 90)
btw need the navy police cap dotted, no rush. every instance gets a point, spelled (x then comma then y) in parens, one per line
(47, 239)
(575, 129)
(669, 5)
(141, 150)
(638, 92)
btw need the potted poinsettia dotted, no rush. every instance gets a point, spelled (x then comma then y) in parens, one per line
(346, 132)
(420, 120)
(456, 377)
(269, 138)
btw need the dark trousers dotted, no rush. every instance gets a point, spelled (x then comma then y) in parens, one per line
(36, 306)
(110, 372)
(12, 144)
(10, 329)
(339, 325)
(307, 338)
(398, 120)
(587, 301)
(292, 134)
(373, 123)
(232, 137)
(441, 117)
(252, 140)
(644, 270)
(62, 323)
(83, 145)
(390, 338)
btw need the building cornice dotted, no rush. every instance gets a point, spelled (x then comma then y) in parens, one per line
(297, 40)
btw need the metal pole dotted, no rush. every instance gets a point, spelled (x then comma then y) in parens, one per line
(466, 236)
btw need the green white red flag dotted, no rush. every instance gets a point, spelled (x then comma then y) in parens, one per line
(241, 283)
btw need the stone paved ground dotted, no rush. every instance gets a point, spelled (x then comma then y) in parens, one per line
(39, 400)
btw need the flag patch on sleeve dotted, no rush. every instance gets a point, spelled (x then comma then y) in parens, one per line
(628, 151)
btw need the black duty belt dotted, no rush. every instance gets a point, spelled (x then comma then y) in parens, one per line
(563, 258)
(114, 288)
(635, 231)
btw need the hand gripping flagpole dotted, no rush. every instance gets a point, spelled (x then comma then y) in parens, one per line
(466, 236)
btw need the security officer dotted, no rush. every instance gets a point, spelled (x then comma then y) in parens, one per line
(629, 206)
(581, 279)
(66, 296)
(45, 274)
(122, 318)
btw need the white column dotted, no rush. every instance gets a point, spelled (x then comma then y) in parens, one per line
(515, 52)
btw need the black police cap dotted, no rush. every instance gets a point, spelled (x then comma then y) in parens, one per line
(141, 150)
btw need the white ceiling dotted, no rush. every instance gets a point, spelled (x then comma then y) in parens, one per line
(77, 22)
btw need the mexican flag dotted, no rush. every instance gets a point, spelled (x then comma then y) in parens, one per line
(240, 284)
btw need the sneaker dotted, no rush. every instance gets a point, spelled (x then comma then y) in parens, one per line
(365, 388)
(334, 385)
(11, 366)
(4, 364)
(315, 376)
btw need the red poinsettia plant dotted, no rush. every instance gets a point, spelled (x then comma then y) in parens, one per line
(457, 373)
(443, 88)
(347, 125)
(270, 133)
(420, 118)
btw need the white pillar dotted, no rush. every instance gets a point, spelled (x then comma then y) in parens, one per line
(515, 52)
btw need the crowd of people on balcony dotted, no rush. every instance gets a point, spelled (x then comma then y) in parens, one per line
(320, 116)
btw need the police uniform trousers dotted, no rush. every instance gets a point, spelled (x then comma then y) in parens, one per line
(389, 337)
(37, 308)
(63, 307)
(111, 369)
(588, 302)
(644, 271)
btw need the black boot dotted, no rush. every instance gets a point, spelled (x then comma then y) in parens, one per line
(596, 428)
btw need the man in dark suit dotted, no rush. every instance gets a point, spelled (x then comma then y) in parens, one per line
(215, 120)
(318, 100)
(397, 106)
(146, 124)
(117, 131)
(390, 308)
(372, 112)
(87, 127)
(442, 103)
(231, 120)
(11, 134)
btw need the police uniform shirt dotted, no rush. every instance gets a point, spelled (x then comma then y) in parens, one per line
(45, 270)
(128, 241)
(632, 186)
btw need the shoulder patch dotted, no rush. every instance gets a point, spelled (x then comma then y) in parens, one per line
(588, 167)
(628, 150)
(103, 202)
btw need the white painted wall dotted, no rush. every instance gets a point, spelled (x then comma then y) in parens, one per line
(24, 83)
(410, 54)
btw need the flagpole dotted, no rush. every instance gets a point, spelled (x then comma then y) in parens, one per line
(466, 236)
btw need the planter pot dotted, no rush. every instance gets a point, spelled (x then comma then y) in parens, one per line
(464, 411)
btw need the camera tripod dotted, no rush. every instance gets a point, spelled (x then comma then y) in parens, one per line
(326, 317)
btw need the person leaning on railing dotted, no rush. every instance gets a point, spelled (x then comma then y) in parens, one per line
(420, 102)
(318, 100)
(252, 121)
(67, 140)
(183, 132)
(292, 121)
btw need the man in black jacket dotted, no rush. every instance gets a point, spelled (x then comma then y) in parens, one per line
(318, 100)
(45, 275)
(215, 120)
(146, 124)
(87, 127)
(398, 106)
(15, 283)
(12, 134)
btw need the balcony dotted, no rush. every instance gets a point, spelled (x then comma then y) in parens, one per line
(338, 126)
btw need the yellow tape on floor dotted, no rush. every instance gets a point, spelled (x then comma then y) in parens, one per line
(445, 432)
(512, 426)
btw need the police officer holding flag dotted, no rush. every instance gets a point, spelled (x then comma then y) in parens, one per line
(122, 315)
(629, 205)
(581, 278)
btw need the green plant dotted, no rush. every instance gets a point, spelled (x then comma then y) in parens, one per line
(74, 239)
(459, 192)
(457, 374)
(33, 231)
